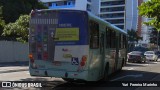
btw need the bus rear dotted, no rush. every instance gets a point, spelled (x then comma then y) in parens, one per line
(59, 44)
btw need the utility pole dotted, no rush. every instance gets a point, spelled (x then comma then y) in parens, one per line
(158, 41)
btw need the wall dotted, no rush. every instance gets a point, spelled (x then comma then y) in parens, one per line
(11, 51)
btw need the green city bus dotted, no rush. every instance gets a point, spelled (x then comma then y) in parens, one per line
(74, 45)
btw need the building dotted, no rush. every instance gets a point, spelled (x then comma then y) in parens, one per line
(113, 11)
(72, 4)
(143, 30)
(88, 5)
(139, 25)
(131, 15)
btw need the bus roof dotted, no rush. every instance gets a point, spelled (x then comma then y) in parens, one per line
(99, 20)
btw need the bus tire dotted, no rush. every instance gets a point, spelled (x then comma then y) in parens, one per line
(74, 81)
(106, 72)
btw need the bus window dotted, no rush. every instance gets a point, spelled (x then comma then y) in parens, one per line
(94, 35)
(113, 39)
(120, 41)
(110, 38)
(107, 38)
(124, 41)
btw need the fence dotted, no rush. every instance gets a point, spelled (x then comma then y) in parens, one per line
(11, 51)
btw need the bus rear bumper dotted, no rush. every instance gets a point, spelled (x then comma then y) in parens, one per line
(83, 75)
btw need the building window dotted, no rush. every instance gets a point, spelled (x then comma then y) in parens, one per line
(50, 4)
(109, 3)
(88, 7)
(120, 26)
(112, 9)
(113, 15)
(69, 3)
(117, 21)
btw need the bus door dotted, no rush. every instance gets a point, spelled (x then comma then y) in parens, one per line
(102, 52)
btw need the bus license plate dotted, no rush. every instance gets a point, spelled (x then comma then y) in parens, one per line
(57, 63)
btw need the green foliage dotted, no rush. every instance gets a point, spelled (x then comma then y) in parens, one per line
(12, 9)
(19, 29)
(153, 36)
(133, 36)
(2, 23)
(151, 9)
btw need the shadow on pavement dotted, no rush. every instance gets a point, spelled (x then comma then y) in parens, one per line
(8, 64)
(135, 64)
(63, 85)
(140, 64)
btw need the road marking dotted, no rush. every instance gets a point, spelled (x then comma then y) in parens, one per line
(135, 76)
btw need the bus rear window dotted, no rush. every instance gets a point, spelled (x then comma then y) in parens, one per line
(67, 34)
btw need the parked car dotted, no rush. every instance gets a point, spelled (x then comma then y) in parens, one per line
(136, 56)
(151, 55)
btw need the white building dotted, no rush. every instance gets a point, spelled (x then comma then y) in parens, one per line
(145, 32)
(113, 11)
(72, 4)
(131, 14)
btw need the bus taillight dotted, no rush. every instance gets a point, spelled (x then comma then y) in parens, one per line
(31, 58)
(83, 61)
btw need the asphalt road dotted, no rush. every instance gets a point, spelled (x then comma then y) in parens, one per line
(149, 71)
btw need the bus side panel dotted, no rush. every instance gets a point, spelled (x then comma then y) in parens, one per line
(94, 65)
(110, 56)
(121, 58)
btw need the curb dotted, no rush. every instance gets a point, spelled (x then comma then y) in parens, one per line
(14, 71)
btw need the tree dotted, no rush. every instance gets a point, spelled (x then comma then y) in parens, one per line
(12, 9)
(19, 29)
(153, 36)
(133, 36)
(150, 9)
(2, 23)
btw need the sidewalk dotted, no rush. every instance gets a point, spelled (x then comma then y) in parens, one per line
(13, 67)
